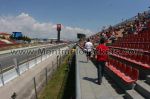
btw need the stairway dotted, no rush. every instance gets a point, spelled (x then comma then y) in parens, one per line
(140, 91)
(148, 79)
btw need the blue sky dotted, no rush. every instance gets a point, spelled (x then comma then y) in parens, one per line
(86, 14)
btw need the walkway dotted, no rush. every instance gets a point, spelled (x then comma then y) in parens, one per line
(89, 89)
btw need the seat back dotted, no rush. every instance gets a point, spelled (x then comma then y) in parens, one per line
(135, 74)
(116, 64)
(128, 70)
(147, 60)
(123, 68)
(109, 62)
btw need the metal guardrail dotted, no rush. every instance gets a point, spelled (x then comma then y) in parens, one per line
(78, 88)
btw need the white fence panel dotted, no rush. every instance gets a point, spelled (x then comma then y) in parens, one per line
(38, 60)
(32, 63)
(1, 84)
(10, 75)
(23, 67)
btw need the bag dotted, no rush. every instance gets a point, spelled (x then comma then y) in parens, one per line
(85, 50)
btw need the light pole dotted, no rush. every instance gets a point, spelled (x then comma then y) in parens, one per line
(58, 30)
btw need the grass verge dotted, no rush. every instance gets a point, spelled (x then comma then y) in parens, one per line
(54, 88)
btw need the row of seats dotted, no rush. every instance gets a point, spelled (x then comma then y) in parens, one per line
(123, 71)
(142, 36)
(141, 46)
(137, 39)
(134, 56)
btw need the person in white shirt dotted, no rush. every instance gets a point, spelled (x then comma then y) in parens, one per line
(88, 47)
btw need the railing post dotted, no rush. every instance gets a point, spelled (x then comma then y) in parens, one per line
(41, 57)
(46, 75)
(35, 59)
(28, 62)
(60, 60)
(16, 66)
(78, 90)
(57, 60)
(36, 96)
(52, 65)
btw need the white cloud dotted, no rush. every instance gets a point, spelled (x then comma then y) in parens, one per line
(31, 27)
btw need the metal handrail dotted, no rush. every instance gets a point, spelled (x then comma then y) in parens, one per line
(78, 88)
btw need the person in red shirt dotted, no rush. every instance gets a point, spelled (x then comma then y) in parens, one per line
(101, 57)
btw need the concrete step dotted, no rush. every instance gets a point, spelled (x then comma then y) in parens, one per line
(143, 88)
(115, 91)
(132, 94)
(118, 97)
(148, 79)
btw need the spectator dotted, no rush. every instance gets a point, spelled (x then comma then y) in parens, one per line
(104, 35)
(102, 57)
(88, 49)
(113, 37)
(144, 25)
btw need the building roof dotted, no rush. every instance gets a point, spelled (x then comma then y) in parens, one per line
(2, 33)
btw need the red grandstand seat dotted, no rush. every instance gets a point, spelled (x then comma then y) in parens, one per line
(109, 62)
(147, 46)
(128, 70)
(143, 46)
(138, 46)
(139, 57)
(128, 75)
(133, 77)
(122, 70)
(135, 74)
(113, 62)
(123, 67)
(125, 54)
(147, 59)
(116, 64)
(134, 46)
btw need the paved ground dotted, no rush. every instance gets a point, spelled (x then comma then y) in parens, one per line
(89, 88)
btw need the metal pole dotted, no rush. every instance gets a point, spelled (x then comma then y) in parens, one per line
(2, 77)
(41, 57)
(16, 66)
(28, 62)
(60, 60)
(58, 36)
(57, 60)
(78, 86)
(52, 65)
(46, 75)
(35, 59)
(52, 68)
(35, 88)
